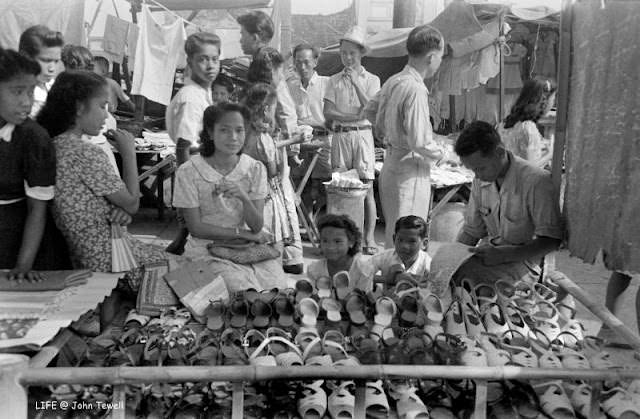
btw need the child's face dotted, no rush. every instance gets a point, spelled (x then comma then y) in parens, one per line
(335, 243)
(219, 94)
(408, 243)
(228, 134)
(93, 112)
(49, 60)
(205, 64)
(16, 98)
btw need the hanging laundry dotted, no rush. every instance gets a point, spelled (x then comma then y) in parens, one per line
(545, 55)
(132, 41)
(158, 52)
(512, 72)
(115, 37)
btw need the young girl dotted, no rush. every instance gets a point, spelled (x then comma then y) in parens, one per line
(340, 241)
(221, 193)
(89, 195)
(27, 163)
(519, 132)
(261, 100)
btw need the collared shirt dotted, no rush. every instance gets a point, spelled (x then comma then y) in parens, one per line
(184, 114)
(402, 114)
(384, 260)
(40, 93)
(343, 95)
(310, 101)
(523, 208)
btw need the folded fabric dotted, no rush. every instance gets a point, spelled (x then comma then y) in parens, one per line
(155, 295)
(53, 281)
(243, 254)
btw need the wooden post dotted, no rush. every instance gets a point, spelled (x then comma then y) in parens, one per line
(138, 100)
(501, 79)
(119, 399)
(13, 396)
(564, 69)
(404, 13)
(285, 27)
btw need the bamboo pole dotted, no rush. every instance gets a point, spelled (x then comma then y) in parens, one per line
(564, 69)
(119, 399)
(238, 400)
(138, 375)
(599, 310)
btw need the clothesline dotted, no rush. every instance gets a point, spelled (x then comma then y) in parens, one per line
(173, 13)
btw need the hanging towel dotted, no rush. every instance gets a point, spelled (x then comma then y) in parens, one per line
(158, 52)
(115, 37)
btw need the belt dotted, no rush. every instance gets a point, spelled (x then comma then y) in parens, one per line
(342, 128)
(320, 131)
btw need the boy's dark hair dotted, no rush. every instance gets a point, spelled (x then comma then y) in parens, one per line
(13, 64)
(305, 46)
(477, 136)
(412, 222)
(76, 57)
(209, 119)
(257, 23)
(225, 82)
(424, 39)
(70, 89)
(37, 37)
(529, 105)
(345, 223)
(263, 65)
(194, 42)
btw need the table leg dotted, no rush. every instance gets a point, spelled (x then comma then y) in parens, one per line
(160, 189)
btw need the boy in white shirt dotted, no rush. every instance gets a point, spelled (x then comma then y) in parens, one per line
(184, 113)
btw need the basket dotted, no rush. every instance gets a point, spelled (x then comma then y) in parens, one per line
(347, 201)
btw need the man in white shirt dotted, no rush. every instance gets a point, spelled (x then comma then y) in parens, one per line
(307, 91)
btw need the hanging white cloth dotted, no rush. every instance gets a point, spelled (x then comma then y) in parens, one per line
(158, 51)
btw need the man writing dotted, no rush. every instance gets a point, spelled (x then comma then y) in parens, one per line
(512, 210)
(400, 114)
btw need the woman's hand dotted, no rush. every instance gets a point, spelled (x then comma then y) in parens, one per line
(119, 216)
(21, 273)
(234, 190)
(262, 237)
(122, 140)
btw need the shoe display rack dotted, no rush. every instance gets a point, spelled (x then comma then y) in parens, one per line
(540, 345)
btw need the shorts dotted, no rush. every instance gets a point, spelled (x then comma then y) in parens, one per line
(354, 150)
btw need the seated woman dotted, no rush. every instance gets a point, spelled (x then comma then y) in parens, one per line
(519, 132)
(222, 194)
(89, 195)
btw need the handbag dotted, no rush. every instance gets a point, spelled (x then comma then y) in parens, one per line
(244, 254)
(155, 295)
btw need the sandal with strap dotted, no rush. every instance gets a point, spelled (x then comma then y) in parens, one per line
(238, 312)
(256, 350)
(496, 357)
(309, 312)
(454, 324)
(447, 349)
(206, 350)
(313, 403)
(617, 402)
(433, 307)
(473, 320)
(554, 400)
(333, 345)
(494, 319)
(324, 287)
(284, 311)
(303, 289)
(342, 401)
(342, 284)
(355, 304)
(290, 358)
(375, 401)
(484, 294)
(215, 314)
(580, 396)
(418, 347)
(368, 351)
(231, 347)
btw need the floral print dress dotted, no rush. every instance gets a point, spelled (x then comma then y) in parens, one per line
(84, 177)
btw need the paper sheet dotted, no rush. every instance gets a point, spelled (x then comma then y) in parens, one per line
(446, 259)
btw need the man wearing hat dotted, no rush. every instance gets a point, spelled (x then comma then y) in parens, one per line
(400, 113)
(348, 92)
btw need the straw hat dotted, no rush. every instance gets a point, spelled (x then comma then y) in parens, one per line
(357, 35)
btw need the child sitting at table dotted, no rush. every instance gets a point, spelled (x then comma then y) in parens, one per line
(408, 258)
(340, 242)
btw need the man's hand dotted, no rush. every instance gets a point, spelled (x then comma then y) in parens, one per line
(119, 216)
(494, 255)
(22, 273)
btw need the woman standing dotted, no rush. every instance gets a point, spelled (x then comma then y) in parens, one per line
(519, 132)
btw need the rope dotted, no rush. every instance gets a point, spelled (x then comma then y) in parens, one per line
(534, 55)
(173, 13)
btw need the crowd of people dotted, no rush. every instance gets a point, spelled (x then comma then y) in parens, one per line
(62, 190)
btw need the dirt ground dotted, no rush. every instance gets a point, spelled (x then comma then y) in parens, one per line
(592, 278)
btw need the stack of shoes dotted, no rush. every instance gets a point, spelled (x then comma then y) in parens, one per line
(331, 325)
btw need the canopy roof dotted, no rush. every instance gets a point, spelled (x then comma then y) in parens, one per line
(459, 22)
